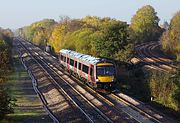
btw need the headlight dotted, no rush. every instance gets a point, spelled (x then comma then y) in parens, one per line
(113, 80)
(97, 80)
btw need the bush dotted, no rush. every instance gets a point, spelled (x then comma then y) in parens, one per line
(5, 102)
(135, 82)
(165, 88)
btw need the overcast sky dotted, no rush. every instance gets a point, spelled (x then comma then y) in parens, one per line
(18, 13)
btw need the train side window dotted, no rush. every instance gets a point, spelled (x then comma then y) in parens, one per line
(75, 64)
(67, 60)
(91, 72)
(79, 66)
(62, 57)
(85, 69)
(71, 62)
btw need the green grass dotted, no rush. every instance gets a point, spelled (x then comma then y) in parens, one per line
(27, 102)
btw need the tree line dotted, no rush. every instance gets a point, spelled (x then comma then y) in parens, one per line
(171, 38)
(100, 37)
(5, 67)
(115, 39)
(166, 87)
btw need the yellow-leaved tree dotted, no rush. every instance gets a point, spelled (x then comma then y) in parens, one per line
(56, 39)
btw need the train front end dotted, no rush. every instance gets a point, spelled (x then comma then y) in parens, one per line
(105, 76)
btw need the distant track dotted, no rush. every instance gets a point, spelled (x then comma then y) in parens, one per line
(150, 53)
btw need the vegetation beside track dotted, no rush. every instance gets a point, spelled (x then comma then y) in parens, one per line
(28, 107)
(6, 101)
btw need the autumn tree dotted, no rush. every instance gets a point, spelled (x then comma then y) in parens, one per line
(113, 38)
(144, 25)
(4, 53)
(56, 39)
(62, 34)
(104, 37)
(5, 102)
(100, 37)
(38, 32)
(165, 88)
(81, 40)
(5, 45)
(171, 38)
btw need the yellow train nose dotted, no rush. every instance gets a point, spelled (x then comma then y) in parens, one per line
(105, 78)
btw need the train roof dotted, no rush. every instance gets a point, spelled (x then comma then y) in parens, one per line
(83, 57)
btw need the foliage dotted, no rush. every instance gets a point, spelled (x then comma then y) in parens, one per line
(144, 25)
(5, 102)
(5, 45)
(176, 94)
(38, 32)
(82, 40)
(61, 34)
(171, 39)
(56, 39)
(100, 37)
(165, 88)
(5, 59)
(134, 81)
(125, 54)
(113, 39)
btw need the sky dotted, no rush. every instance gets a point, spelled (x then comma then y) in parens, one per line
(18, 13)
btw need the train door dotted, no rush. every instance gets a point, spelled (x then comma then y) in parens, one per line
(79, 69)
(75, 66)
(91, 75)
(68, 66)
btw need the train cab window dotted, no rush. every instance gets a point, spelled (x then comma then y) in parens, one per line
(75, 64)
(91, 72)
(79, 66)
(71, 62)
(85, 68)
(105, 70)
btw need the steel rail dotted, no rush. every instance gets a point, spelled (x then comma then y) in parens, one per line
(42, 98)
(104, 116)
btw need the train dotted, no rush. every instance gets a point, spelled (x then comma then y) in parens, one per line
(99, 73)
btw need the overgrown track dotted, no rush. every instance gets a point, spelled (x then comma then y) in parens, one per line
(96, 107)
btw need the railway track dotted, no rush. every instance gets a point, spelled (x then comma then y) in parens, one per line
(149, 53)
(107, 108)
(113, 116)
(86, 109)
(127, 105)
(34, 83)
(95, 104)
(154, 51)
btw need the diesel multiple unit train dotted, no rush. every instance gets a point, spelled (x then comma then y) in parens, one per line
(97, 72)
